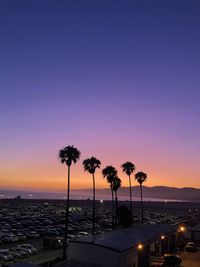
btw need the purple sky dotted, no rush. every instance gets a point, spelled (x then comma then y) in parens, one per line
(118, 79)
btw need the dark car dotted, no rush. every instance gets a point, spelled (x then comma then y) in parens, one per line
(51, 242)
(172, 260)
(191, 247)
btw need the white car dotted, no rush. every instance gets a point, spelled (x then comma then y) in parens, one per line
(31, 250)
(83, 233)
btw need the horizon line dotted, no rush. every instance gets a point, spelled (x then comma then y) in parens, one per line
(63, 191)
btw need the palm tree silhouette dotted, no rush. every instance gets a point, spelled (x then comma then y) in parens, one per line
(68, 155)
(141, 177)
(128, 167)
(116, 184)
(110, 173)
(90, 166)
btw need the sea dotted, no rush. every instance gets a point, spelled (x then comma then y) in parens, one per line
(6, 194)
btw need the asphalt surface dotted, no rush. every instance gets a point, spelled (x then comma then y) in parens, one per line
(191, 259)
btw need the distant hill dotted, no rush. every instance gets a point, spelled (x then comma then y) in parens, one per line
(156, 192)
(149, 193)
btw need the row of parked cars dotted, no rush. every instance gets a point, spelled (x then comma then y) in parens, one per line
(19, 223)
(20, 252)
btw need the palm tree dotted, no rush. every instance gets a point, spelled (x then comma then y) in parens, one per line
(141, 177)
(110, 173)
(90, 166)
(68, 155)
(128, 167)
(116, 184)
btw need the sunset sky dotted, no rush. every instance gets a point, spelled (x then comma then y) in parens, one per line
(120, 80)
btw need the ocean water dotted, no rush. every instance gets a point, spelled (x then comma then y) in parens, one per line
(120, 198)
(75, 195)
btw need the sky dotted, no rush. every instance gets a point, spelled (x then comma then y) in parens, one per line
(119, 80)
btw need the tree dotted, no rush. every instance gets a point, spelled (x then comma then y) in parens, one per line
(124, 216)
(128, 168)
(141, 177)
(68, 155)
(116, 184)
(90, 165)
(110, 173)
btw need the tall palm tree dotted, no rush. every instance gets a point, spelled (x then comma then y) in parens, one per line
(90, 166)
(141, 177)
(116, 184)
(68, 155)
(128, 168)
(110, 173)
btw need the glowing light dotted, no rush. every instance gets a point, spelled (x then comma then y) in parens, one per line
(140, 247)
(162, 237)
(182, 228)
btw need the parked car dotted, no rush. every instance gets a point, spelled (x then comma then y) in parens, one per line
(31, 250)
(34, 234)
(5, 238)
(19, 253)
(83, 233)
(172, 260)
(21, 236)
(190, 247)
(13, 238)
(51, 242)
(5, 255)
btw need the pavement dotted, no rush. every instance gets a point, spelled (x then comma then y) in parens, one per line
(191, 259)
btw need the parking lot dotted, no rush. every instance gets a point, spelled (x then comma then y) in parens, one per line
(191, 259)
(29, 221)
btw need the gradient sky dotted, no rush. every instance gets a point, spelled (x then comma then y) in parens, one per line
(118, 79)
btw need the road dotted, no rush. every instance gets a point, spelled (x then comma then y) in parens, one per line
(191, 259)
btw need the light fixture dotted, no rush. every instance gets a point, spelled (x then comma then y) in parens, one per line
(182, 228)
(162, 237)
(140, 246)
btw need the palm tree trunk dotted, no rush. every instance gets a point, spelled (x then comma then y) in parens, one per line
(66, 218)
(116, 206)
(130, 195)
(93, 210)
(112, 209)
(142, 212)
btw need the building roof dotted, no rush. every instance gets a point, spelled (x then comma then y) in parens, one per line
(125, 239)
(76, 263)
(23, 264)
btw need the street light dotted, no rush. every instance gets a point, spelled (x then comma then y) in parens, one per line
(140, 247)
(162, 237)
(182, 228)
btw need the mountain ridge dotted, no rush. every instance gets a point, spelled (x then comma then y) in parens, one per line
(154, 192)
(157, 192)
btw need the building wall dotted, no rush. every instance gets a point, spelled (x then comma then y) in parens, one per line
(105, 257)
(102, 256)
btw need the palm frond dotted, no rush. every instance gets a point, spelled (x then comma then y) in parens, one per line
(128, 167)
(91, 164)
(140, 177)
(68, 155)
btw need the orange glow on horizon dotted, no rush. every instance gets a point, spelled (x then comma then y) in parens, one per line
(49, 174)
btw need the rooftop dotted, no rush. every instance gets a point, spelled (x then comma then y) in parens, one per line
(76, 263)
(125, 239)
